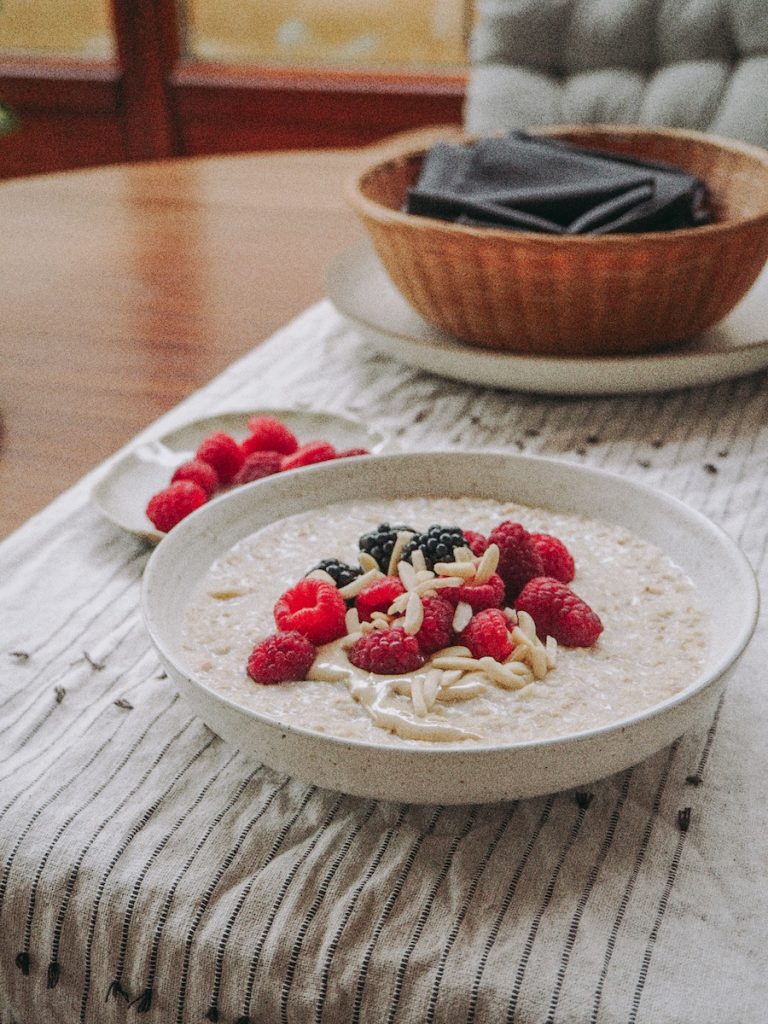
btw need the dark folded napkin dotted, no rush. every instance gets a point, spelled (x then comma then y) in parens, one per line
(534, 183)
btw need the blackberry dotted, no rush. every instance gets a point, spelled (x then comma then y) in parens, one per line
(340, 572)
(379, 543)
(437, 544)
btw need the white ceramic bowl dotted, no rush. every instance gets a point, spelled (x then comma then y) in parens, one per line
(456, 773)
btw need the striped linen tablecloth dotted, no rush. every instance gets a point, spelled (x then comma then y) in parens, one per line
(150, 871)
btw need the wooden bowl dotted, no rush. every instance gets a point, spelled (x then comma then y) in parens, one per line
(615, 294)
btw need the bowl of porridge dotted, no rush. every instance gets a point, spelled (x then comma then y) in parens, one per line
(673, 604)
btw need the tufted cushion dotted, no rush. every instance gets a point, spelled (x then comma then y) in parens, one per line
(683, 63)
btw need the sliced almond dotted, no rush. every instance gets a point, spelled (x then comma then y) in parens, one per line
(407, 575)
(488, 564)
(414, 614)
(466, 570)
(322, 575)
(503, 674)
(401, 540)
(463, 555)
(360, 583)
(367, 562)
(465, 664)
(417, 696)
(418, 561)
(352, 620)
(462, 616)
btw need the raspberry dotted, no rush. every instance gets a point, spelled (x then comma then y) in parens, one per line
(313, 608)
(378, 596)
(268, 434)
(556, 557)
(168, 507)
(257, 465)
(479, 595)
(281, 658)
(380, 542)
(436, 630)
(518, 559)
(487, 635)
(558, 612)
(200, 473)
(437, 544)
(349, 452)
(476, 542)
(308, 454)
(223, 453)
(387, 652)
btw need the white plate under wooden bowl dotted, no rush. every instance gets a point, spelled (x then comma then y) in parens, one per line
(123, 492)
(360, 288)
(455, 773)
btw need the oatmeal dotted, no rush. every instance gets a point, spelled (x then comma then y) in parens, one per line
(652, 645)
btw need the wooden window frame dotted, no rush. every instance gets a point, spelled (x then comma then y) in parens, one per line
(151, 101)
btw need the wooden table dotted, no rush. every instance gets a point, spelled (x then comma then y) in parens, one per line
(125, 288)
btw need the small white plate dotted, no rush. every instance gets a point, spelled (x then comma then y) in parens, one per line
(122, 494)
(362, 291)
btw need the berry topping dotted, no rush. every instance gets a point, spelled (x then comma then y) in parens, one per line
(223, 453)
(478, 595)
(349, 452)
(387, 652)
(380, 542)
(313, 608)
(437, 544)
(257, 465)
(268, 434)
(200, 473)
(556, 557)
(166, 508)
(518, 559)
(436, 629)
(308, 454)
(281, 658)
(487, 635)
(340, 572)
(559, 613)
(476, 542)
(378, 596)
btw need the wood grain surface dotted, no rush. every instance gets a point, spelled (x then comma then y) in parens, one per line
(125, 288)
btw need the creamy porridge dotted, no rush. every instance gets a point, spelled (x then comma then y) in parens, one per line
(653, 644)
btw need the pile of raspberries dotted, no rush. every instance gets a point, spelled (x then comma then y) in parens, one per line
(533, 575)
(221, 462)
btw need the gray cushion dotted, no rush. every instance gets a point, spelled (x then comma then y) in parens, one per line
(684, 63)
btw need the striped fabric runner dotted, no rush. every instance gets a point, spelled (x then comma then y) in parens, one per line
(146, 868)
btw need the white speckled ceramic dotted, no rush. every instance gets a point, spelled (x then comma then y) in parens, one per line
(456, 774)
(123, 492)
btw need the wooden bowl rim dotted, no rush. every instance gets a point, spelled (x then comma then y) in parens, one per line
(367, 207)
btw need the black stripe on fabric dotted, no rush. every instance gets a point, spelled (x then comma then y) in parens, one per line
(581, 904)
(278, 902)
(660, 912)
(455, 928)
(386, 911)
(322, 892)
(139, 880)
(202, 904)
(698, 775)
(505, 905)
(100, 889)
(67, 731)
(24, 740)
(244, 893)
(154, 952)
(426, 910)
(36, 880)
(95, 595)
(334, 944)
(132, 832)
(631, 881)
(546, 900)
(46, 804)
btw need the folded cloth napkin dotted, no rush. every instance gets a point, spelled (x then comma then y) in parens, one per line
(534, 183)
